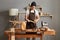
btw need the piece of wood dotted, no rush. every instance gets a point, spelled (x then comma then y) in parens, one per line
(47, 32)
(23, 25)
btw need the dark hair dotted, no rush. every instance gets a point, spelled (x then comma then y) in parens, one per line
(33, 3)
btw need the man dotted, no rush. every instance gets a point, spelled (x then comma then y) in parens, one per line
(32, 17)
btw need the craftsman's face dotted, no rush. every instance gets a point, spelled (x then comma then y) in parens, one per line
(32, 7)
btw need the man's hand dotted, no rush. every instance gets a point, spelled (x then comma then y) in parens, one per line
(28, 20)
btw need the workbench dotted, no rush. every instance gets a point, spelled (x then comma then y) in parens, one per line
(17, 33)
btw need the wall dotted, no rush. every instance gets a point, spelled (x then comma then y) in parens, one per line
(50, 6)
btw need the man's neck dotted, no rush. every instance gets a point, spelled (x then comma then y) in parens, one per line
(32, 9)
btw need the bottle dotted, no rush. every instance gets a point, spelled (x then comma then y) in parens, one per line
(41, 24)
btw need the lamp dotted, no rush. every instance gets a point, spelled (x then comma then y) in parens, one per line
(13, 13)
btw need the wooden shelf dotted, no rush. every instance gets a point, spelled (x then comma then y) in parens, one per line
(37, 7)
(46, 16)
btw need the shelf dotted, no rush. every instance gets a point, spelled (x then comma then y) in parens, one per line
(37, 7)
(46, 16)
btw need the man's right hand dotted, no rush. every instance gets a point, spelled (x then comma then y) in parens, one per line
(28, 20)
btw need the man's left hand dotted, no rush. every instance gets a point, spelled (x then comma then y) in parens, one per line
(35, 21)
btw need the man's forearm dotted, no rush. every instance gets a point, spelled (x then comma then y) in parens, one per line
(36, 20)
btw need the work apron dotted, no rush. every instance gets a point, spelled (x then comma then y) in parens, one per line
(31, 25)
